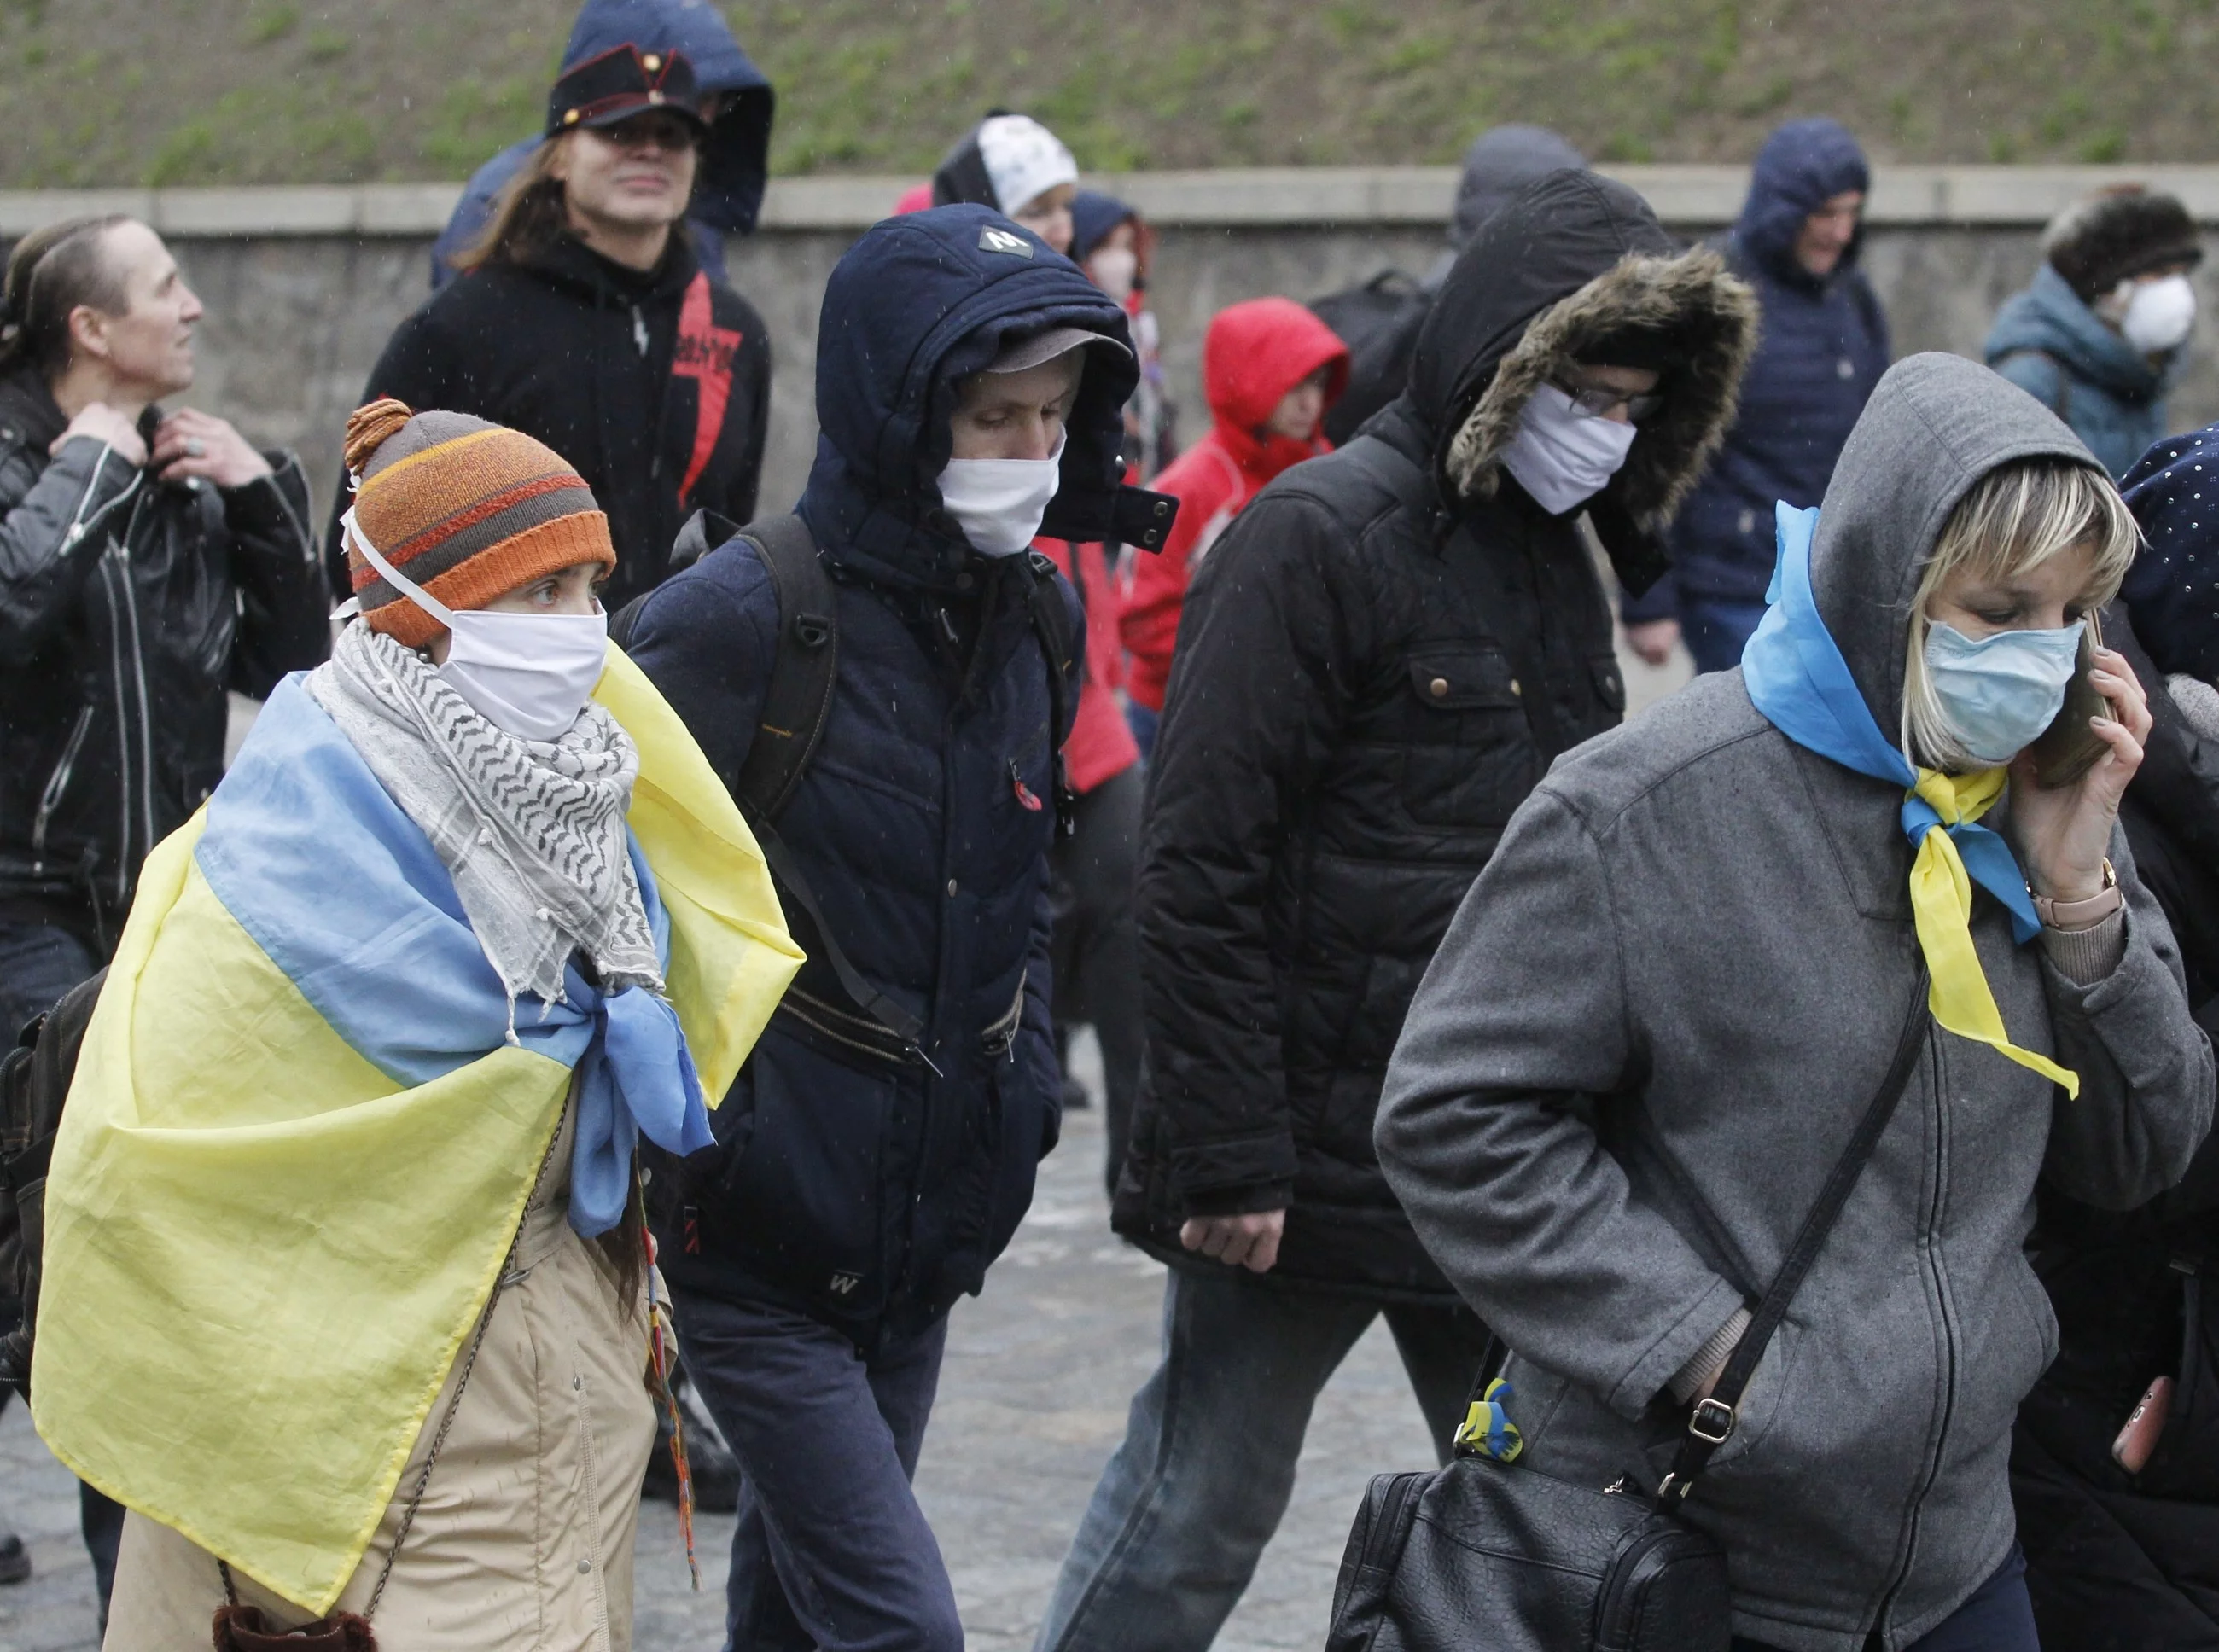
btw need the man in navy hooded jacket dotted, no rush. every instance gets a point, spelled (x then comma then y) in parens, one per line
(861, 1186)
(735, 160)
(1822, 348)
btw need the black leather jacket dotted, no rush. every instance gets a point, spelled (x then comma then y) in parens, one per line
(127, 607)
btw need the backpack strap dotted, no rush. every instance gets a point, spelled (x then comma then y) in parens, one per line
(798, 698)
(1052, 625)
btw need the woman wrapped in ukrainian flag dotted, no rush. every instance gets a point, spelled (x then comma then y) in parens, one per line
(347, 1296)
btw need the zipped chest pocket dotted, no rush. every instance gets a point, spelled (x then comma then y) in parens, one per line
(57, 785)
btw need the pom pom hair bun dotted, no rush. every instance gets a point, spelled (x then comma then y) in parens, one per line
(368, 427)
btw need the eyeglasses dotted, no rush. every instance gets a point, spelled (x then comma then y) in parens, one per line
(1596, 400)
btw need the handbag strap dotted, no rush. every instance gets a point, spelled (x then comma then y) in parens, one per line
(1714, 1418)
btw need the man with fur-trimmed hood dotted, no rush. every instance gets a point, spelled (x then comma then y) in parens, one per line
(1377, 662)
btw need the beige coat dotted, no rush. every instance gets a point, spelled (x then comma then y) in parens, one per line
(524, 1541)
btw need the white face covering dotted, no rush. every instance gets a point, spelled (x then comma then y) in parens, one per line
(1000, 502)
(2158, 314)
(528, 674)
(1113, 269)
(1561, 457)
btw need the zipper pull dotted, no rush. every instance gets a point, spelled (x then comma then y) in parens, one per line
(1024, 793)
(639, 329)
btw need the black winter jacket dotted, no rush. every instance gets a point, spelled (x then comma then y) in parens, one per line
(1376, 665)
(129, 606)
(867, 1192)
(656, 388)
(2118, 1561)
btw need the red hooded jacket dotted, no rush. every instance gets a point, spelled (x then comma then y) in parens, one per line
(1254, 354)
(1100, 745)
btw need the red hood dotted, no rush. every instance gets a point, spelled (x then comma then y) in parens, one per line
(1256, 352)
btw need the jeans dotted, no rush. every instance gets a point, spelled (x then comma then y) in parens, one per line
(1998, 1618)
(1096, 948)
(1716, 631)
(831, 1551)
(39, 962)
(1185, 1507)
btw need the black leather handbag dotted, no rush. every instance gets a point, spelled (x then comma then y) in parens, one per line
(1487, 1556)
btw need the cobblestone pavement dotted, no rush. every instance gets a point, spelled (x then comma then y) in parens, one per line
(1032, 1401)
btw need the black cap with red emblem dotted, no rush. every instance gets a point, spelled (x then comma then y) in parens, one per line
(620, 84)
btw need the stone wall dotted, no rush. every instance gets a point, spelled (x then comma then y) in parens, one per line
(300, 296)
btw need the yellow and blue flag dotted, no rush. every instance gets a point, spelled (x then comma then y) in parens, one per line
(299, 1141)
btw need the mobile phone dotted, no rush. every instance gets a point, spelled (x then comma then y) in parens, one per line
(2138, 1440)
(2068, 747)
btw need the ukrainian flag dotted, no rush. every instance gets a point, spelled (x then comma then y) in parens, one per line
(298, 1143)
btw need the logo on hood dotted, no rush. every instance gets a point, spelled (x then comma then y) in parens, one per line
(1000, 240)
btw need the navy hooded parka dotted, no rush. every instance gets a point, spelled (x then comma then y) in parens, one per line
(1823, 347)
(872, 1194)
(736, 164)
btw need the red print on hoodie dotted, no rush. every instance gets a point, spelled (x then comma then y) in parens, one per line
(1254, 353)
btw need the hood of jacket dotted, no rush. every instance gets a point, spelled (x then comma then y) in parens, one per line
(1254, 354)
(919, 304)
(2049, 317)
(568, 263)
(1936, 424)
(1093, 215)
(1500, 162)
(1802, 165)
(736, 163)
(1575, 259)
(2173, 590)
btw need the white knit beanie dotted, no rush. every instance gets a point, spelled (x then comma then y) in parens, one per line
(1023, 159)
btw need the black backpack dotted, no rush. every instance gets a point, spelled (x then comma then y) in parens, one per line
(1379, 322)
(35, 1082)
(798, 699)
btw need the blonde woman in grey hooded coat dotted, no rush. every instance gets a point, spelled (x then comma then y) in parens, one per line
(1672, 994)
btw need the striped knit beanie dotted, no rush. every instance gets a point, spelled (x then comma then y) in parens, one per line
(469, 511)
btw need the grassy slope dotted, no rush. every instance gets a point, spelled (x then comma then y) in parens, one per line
(230, 91)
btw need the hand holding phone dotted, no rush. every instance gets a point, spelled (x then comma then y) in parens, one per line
(2068, 747)
(2138, 1440)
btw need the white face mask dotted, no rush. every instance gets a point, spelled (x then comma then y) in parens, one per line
(528, 674)
(2158, 314)
(999, 502)
(1113, 269)
(1561, 457)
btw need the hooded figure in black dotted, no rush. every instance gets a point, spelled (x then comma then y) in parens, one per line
(2120, 1557)
(1377, 662)
(653, 383)
(858, 1187)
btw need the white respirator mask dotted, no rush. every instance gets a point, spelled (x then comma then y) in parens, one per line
(1114, 268)
(529, 674)
(999, 502)
(2158, 314)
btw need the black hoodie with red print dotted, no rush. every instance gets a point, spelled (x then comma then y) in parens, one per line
(655, 386)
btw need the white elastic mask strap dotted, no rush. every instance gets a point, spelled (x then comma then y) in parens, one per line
(393, 577)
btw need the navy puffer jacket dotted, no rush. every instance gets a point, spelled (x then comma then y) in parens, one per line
(867, 1192)
(1823, 347)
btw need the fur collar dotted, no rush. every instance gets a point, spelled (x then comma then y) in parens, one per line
(1714, 314)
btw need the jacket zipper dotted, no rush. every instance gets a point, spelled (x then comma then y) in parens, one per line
(145, 714)
(123, 742)
(57, 784)
(1933, 1216)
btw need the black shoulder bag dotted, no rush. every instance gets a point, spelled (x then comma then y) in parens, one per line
(1488, 1554)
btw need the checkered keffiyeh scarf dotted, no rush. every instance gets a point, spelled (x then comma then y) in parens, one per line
(532, 832)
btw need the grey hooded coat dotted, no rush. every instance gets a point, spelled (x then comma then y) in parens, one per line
(1650, 1033)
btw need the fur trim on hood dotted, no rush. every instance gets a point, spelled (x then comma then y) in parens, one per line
(1711, 318)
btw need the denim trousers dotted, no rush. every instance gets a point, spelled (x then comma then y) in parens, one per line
(831, 1551)
(1998, 1618)
(39, 962)
(1184, 1508)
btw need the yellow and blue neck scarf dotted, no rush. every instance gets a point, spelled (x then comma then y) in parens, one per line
(1796, 674)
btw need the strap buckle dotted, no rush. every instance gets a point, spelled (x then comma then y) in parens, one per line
(1713, 1422)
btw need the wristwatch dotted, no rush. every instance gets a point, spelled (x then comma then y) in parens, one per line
(2082, 915)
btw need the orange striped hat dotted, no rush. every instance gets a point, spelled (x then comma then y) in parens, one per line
(467, 510)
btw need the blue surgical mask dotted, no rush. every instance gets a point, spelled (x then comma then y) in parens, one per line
(2000, 692)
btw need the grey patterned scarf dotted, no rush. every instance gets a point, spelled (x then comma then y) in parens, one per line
(533, 833)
